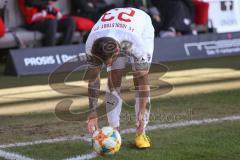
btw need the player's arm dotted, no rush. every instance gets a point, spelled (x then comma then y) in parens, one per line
(93, 78)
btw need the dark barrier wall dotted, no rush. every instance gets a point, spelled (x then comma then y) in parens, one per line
(46, 60)
(196, 47)
(41, 60)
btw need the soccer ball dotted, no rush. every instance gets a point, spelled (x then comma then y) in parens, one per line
(107, 141)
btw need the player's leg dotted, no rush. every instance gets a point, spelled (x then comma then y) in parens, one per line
(142, 101)
(141, 80)
(139, 95)
(114, 105)
(147, 110)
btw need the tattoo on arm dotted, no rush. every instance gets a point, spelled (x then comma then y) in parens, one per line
(93, 93)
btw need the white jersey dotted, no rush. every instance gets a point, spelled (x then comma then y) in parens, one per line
(126, 24)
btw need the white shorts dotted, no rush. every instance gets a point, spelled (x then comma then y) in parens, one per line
(137, 64)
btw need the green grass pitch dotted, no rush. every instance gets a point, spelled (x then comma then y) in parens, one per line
(195, 97)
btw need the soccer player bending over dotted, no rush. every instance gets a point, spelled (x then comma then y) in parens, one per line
(119, 35)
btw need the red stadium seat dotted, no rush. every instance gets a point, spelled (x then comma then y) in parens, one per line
(201, 9)
(83, 24)
(2, 28)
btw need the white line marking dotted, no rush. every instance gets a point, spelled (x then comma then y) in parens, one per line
(48, 141)
(166, 126)
(84, 157)
(13, 156)
(185, 123)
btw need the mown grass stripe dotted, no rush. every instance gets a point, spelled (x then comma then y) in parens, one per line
(84, 157)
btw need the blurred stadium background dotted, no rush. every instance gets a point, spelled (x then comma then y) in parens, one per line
(198, 47)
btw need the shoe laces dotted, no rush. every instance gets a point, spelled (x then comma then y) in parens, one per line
(147, 138)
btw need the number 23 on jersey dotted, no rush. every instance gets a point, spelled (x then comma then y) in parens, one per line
(124, 15)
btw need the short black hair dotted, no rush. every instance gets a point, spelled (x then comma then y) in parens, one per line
(103, 49)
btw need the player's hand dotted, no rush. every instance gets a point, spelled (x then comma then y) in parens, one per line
(92, 123)
(140, 123)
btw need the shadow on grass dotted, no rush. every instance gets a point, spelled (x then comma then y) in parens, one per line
(222, 62)
(164, 88)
